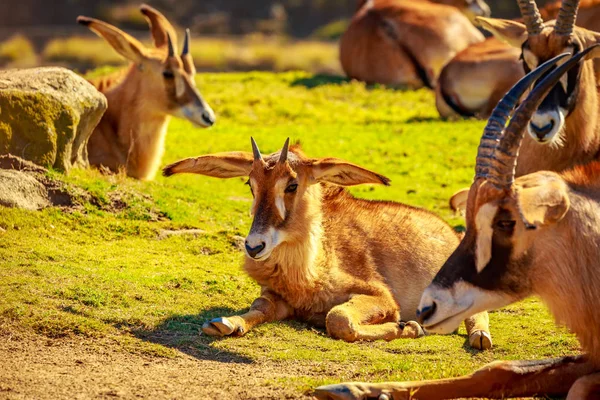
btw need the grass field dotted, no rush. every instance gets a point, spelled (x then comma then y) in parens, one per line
(99, 275)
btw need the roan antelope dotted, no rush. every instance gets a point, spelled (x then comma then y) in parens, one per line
(473, 82)
(158, 84)
(400, 42)
(322, 256)
(470, 8)
(536, 234)
(565, 130)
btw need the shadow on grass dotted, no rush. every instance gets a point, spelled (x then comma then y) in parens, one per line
(320, 80)
(182, 332)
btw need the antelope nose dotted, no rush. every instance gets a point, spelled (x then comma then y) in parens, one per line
(542, 131)
(425, 313)
(208, 118)
(254, 251)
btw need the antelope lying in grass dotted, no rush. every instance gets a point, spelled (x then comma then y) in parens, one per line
(473, 82)
(539, 233)
(158, 84)
(565, 130)
(470, 8)
(325, 257)
(398, 42)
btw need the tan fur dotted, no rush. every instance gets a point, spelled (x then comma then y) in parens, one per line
(477, 77)
(141, 100)
(410, 41)
(353, 266)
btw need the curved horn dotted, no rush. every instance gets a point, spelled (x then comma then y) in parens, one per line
(171, 48)
(283, 156)
(255, 150)
(488, 164)
(511, 141)
(531, 16)
(186, 43)
(565, 21)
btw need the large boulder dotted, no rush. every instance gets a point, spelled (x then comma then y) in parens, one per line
(47, 116)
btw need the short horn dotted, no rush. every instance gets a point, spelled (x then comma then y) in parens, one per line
(531, 16)
(511, 141)
(171, 48)
(488, 164)
(255, 150)
(283, 156)
(565, 21)
(186, 43)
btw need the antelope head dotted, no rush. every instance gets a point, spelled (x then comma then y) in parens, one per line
(491, 266)
(540, 42)
(167, 75)
(283, 186)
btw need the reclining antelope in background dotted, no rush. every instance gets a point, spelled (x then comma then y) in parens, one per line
(158, 84)
(402, 42)
(565, 130)
(473, 82)
(537, 234)
(322, 256)
(470, 8)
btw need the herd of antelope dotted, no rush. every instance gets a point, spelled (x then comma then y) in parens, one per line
(370, 270)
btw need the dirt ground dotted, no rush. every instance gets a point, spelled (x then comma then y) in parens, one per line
(39, 368)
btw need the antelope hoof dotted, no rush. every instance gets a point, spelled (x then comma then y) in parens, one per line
(218, 327)
(480, 340)
(412, 329)
(348, 391)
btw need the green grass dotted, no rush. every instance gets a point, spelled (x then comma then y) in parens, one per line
(100, 274)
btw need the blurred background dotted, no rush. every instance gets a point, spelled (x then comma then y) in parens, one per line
(229, 35)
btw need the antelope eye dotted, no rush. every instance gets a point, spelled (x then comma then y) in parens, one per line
(505, 225)
(168, 74)
(291, 188)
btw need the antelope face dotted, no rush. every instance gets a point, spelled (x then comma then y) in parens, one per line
(166, 76)
(540, 42)
(492, 266)
(284, 187)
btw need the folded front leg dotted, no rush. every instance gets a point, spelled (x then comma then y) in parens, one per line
(268, 307)
(366, 317)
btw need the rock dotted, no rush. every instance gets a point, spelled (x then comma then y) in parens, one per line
(47, 116)
(19, 189)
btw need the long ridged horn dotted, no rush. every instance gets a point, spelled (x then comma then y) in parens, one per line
(171, 48)
(488, 164)
(283, 156)
(565, 21)
(509, 145)
(531, 16)
(255, 150)
(186, 43)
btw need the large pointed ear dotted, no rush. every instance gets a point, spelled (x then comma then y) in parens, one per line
(343, 173)
(458, 201)
(512, 32)
(542, 198)
(219, 165)
(160, 27)
(126, 45)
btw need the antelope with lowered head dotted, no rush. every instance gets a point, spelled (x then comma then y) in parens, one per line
(322, 256)
(158, 84)
(565, 129)
(398, 42)
(536, 234)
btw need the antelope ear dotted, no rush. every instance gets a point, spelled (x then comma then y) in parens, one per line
(343, 173)
(542, 198)
(160, 28)
(458, 201)
(512, 32)
(595, 53)
(126, 45)
(219, 165)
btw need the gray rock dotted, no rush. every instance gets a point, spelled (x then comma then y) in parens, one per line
(21, 190)
(47, 116)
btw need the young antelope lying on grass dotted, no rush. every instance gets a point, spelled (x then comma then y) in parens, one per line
(325, 257)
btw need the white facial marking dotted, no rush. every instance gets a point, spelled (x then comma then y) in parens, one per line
(280, 205)
(483, 223)
(271, 239)
(179, 86)
(530, 59)
(455, 304)
(542, 119)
